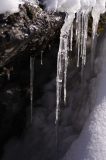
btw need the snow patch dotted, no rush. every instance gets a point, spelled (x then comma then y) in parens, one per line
(12, 6)
(9, 6)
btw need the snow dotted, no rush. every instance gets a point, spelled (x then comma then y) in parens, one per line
(91, 144)
(69, 6)
(73, 5)
(12, 6)
(9, 6)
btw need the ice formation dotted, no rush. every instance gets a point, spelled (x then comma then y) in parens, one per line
(91, 144)
(62, 60)
(81, 8)
(62, 63)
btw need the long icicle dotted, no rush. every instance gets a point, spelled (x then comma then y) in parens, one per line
(41, 61)
(78, 36)
(84, 34)
(67, 39)
(82, 37)
(96, 17)
(65, 65)
(31, 86)
(71, 37)
(62, 62)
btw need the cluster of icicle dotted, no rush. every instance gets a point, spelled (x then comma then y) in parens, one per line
(73, 8)
(79, 9)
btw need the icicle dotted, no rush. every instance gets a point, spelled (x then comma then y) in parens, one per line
(85, 36)
(78, 35)
(59, 79)
(98, 9)
(41, 57)
(31, 85)
(66, 49)
(96, 17)
(84, 33)
(62, 61)
(71, 37)
(82, 40)
(65, 64)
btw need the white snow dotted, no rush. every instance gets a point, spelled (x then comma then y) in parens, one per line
(91, 144)
(69, 6)
(12, 6)
(9, 6)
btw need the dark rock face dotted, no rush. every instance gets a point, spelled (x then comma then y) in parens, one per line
(22, 34)
(29, 30)
(15, 90)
